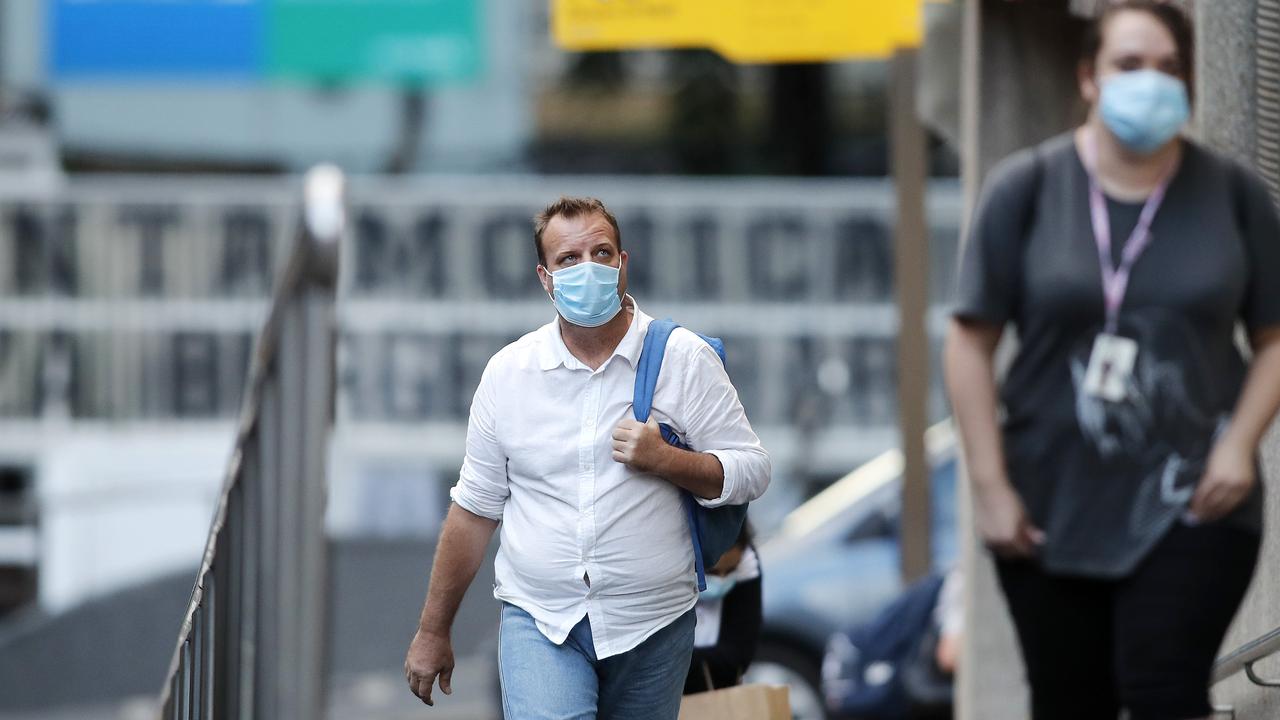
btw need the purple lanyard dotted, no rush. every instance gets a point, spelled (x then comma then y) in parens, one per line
(1115, 280)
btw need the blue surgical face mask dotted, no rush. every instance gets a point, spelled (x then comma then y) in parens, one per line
(586, 294)
(717, 588)
(1144, 109)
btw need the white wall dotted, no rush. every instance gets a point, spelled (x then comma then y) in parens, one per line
(124, 504)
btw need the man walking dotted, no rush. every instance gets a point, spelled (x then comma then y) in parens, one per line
(595, 569)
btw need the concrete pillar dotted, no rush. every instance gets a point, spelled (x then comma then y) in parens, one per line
(1227, 119)
(1225, 107)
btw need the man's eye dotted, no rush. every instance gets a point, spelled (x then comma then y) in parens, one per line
(603, 252)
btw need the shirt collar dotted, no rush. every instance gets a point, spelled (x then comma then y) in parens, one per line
(553, 352)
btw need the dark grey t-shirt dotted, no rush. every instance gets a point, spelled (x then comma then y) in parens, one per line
(1106, 480)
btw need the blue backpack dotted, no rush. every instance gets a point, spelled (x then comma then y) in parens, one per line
(714, 531)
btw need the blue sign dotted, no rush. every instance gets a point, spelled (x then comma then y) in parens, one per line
(399, 41)
(108, 39)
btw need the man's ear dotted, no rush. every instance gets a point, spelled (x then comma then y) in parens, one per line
(544, 277)
(622, 272)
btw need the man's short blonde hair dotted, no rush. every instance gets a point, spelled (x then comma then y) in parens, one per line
(569, 208)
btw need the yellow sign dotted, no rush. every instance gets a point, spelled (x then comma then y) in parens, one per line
(746, 31)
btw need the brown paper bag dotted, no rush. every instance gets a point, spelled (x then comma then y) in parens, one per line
(744, 702)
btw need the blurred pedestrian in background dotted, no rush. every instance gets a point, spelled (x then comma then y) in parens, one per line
(729, 616)
(948, 622)
(901, 664)
(596, 566)
(1119, 488)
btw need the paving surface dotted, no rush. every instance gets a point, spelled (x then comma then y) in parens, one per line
(106, 659)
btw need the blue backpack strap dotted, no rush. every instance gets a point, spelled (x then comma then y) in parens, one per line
(647, 369)
(691, 515)
(649, 365)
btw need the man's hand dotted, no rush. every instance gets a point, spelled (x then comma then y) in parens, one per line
(638, 445)
(429, 655)
(1228, 480)
(1002, 521)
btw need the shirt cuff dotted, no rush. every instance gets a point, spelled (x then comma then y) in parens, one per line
(458, 493)
(729, 467)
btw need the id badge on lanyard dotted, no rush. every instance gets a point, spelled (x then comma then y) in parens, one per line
(1110, 367)
(1112, 360)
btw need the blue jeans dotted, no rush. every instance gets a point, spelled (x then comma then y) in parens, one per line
(545, 681)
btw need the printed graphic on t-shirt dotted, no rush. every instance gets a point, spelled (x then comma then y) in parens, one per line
(1160, 433)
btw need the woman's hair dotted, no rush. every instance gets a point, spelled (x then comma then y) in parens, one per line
(1169, 14)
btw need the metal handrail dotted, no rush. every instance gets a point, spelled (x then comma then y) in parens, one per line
(252, 641)
(1243, 658)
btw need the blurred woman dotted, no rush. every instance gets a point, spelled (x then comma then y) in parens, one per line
(729, 617)
(1119, 486)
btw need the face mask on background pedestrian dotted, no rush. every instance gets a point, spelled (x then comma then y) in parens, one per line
(586, 294)
(1144, 109)
(717, 587)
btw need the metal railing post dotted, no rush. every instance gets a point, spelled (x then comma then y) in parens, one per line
(252, 643)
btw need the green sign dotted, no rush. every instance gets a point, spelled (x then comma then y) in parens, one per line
(402, 41)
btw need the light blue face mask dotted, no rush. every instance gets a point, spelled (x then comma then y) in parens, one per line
(717, 588)
(1144, 109)
(586, 294)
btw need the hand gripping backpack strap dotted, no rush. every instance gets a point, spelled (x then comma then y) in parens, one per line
(647, 369)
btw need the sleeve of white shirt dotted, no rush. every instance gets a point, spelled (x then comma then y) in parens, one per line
(716, 423)
(482, 487)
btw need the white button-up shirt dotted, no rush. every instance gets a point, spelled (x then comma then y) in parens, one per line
(582, 534)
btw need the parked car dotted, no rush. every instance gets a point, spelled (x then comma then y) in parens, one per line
(835, 563)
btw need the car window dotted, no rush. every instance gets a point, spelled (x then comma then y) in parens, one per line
(877, 524)
(881, 511)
